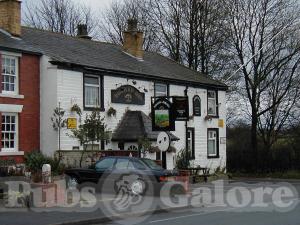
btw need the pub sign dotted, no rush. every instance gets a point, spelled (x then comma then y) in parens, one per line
(127, 94)
(162, 116)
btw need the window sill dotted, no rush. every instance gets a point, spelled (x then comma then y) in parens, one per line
(7, 95)
(93, 108)
(213, 157)
(11, 153)
(213, 117)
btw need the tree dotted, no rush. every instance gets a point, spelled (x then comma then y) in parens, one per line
(62, 16)
(92, 130)
(58, 122)
(263, 35)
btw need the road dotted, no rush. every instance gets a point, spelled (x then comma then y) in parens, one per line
(225, 215)
(194, 213)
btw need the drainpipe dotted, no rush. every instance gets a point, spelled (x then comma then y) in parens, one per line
(186, 129)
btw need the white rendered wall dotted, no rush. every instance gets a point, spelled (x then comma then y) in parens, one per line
(69, 89)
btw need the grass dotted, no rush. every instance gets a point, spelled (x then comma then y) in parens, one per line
(291, 174)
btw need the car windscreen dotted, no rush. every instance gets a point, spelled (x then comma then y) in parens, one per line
(153, 165)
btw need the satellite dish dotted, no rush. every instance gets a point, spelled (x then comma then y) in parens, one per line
(163, 141)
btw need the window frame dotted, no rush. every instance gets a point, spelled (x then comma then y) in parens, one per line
(167, 87)
(16, 139)
(101, 92)
(196, 97)
(192, 130)
(217, 104)
(217, 155)
(16, 91)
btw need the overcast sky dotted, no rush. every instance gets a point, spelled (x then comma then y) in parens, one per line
(94, 4)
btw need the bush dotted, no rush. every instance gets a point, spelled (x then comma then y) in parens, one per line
(181, 162)
(34, 161)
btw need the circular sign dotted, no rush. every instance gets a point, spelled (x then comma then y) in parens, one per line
(163, 141)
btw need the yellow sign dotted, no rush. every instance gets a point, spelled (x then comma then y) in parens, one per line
(221, 123)
(72, 123)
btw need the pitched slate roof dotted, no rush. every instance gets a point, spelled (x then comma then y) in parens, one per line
(9, 43)
(110, 57)
(135, 125)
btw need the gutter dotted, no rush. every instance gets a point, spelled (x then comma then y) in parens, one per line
(116, 73)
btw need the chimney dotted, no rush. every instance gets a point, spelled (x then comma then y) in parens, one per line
(82, 32)
(10, 16)
(133, 40)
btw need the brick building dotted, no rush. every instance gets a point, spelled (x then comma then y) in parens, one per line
(19, 89)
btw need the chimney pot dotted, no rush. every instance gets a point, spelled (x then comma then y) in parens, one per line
(10, 16)
(82, 31)
(132, 25)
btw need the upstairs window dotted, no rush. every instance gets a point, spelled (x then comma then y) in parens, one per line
(9, 128)
(197, 106)
(190, 135)
(9, 74)
(212, 103)
(92, 91)
(160, 89)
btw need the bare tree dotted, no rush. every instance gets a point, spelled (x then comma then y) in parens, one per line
(61, 16)
(264, 35)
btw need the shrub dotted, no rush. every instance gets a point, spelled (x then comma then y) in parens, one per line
(34, 161)
(181, 162)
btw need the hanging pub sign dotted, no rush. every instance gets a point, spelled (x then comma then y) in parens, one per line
(180, 108)
(127, 94)
(162, 117)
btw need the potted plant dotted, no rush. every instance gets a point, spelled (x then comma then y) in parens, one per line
(208, 118)
(111, 112)
(75, 108)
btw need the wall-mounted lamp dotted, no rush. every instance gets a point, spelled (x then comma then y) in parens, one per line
(133, 81)
(143, 88)
(119, 84)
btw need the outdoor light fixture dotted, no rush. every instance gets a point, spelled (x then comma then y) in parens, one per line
(143, 88)
(134, 82)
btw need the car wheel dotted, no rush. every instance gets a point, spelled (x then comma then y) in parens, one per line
(138, 187)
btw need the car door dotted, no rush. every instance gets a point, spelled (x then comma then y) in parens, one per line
(103, 169)
(120, 169)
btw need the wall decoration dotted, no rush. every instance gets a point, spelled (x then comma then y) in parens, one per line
(72, 123)
(127, 94)
(180, 108)
(221, 123)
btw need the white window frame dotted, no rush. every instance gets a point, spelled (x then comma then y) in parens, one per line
(212, 138)
(160, 93)
(215, 100)
(92, 85)
(16, 91)
(15, 149)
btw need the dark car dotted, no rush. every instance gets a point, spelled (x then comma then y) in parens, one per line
(138, 175)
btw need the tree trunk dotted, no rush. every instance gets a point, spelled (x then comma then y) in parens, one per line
(254, 144)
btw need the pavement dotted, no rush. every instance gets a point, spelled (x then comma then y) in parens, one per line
(155, 211)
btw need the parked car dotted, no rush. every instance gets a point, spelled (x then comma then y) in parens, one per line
(138, 175)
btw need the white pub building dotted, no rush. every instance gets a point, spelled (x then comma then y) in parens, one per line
(121, 81)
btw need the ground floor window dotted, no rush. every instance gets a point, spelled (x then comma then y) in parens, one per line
(9, 132)
(213, 143)
(190, 135)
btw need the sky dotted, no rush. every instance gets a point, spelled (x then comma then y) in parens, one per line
(94, 4)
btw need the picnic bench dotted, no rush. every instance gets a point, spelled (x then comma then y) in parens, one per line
(198, 172)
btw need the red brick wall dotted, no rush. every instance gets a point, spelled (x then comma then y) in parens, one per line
(29, 118)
